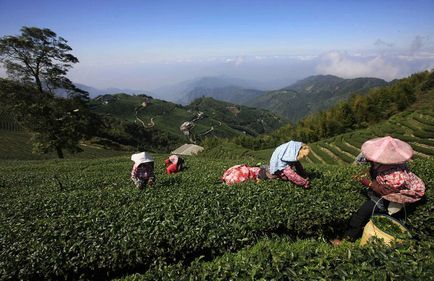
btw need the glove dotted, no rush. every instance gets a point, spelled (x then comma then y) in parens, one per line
(366, 182)
(151, 182)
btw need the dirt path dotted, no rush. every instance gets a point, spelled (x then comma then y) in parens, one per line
(349, 144)
(331, 154)
(316, 155)
(421, 154)
(423, 145)
(341, 151)
(308, 159)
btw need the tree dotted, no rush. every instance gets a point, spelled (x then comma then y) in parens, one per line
(38, 56)
(38, 61)
(55, 123)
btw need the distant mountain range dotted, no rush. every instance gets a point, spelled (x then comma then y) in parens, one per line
(218, 87)
(233, 94)
(293, 102)
(312, 94)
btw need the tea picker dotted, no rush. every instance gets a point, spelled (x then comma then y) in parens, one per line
(142, 172)
(174, 164)
(391, 185)
(284, 164)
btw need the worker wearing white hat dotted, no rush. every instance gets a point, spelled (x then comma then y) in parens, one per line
(142, 173)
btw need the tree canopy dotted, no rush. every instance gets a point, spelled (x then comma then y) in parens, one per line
(39, 56)
(38, 61)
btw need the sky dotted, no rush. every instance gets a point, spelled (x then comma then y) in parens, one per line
(149, 44)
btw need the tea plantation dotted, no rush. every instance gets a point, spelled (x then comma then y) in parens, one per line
(82, 219)
(415, 127)
(17, 145)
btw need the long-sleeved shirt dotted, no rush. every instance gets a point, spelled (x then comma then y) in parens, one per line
(290, 175)
(172, 168)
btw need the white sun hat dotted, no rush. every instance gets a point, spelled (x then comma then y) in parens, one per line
(142, 157)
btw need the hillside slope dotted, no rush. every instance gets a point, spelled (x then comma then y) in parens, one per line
(225, 119)
(161, 120)
(232, 94)
(414, 126)
(312, 94)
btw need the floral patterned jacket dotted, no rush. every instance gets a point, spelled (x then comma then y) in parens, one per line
(241, 173)
(398, 184)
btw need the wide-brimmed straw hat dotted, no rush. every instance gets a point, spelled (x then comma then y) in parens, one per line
(173, 159)
(303, 152)
(387, 150)
(142, 157)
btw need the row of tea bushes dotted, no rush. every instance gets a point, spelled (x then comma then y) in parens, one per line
(282, 259)
(83, 219)
(415, 127)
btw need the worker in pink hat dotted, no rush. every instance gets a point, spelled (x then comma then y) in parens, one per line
(142, 173)
(390, 183)
(174, 164)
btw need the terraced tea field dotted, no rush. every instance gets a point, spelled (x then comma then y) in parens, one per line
(415, 127)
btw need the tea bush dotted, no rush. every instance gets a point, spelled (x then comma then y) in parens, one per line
(82, 219)
(282, 259)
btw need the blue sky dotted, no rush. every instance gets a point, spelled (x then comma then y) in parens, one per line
(146, 44)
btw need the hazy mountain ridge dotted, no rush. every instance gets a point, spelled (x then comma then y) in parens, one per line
(186, 91)
(293, 102)
(233, 94)
(312, 94)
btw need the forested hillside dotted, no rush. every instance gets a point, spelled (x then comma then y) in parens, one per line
(312, 94)
(140, 122)
(232, 94)
(415, 92)
(226, 119)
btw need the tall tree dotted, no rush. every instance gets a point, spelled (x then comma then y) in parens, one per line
(55, 123)
(38, 61)
(38, 56)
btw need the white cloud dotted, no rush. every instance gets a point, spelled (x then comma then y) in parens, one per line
(237, 61)
(347, 66)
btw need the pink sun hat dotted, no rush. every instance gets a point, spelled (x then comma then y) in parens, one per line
(173, 159)
(387, 150)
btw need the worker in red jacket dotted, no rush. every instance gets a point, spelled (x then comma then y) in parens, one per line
(174, 164)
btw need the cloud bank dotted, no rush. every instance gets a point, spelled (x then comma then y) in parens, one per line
(384, 61)
(347, 66)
